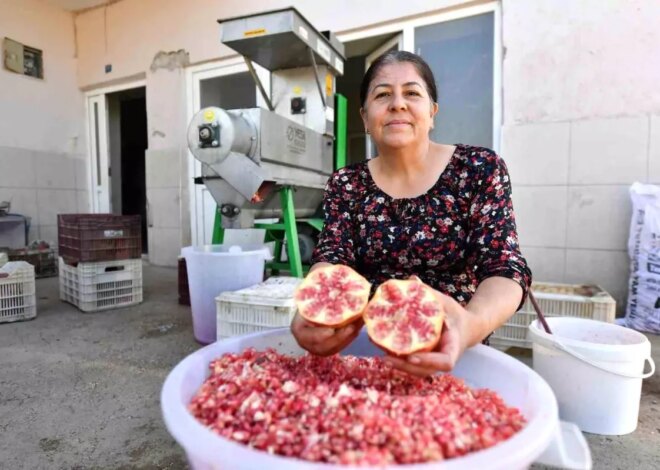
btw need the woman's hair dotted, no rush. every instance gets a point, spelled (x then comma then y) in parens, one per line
(396, 57)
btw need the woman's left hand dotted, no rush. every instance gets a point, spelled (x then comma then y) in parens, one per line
(453, 342)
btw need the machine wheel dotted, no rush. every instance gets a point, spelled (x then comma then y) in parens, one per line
(307, 244)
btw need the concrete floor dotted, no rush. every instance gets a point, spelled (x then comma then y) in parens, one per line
(81, 391)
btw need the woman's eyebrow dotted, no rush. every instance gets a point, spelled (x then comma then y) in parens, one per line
(387, 85)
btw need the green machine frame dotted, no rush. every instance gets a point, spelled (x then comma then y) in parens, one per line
(287, 227)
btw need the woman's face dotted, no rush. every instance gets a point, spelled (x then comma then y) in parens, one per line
(398, 110)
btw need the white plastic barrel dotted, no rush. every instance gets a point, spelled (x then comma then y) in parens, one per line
(595, 369)
(544, 439)
(213, 269)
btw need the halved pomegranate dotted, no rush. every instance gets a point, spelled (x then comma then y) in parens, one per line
(332, 296)
(404, 317)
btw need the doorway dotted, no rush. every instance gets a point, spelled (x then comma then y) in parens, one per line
(359, 55)
(127, 139)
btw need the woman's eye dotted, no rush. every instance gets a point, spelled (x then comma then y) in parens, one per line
(413, 93)
(382, 95)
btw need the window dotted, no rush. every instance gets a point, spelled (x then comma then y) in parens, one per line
(460, 53)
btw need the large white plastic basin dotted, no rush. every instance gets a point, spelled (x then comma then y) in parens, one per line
(480, 367)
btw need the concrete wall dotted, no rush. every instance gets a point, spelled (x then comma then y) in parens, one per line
(581, 123)
(42, 143)
(166, 159)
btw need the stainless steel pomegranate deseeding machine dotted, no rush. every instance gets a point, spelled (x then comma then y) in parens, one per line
(251, 156)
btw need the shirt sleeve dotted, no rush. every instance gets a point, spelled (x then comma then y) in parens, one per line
(493, 237)
(336, 244)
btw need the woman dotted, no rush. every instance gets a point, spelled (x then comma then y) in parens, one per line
(440, 212)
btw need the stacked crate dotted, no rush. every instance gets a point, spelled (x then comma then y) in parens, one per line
(100, 264)
(555, 300)
(17, 292)
(265, 306)
(44, 260)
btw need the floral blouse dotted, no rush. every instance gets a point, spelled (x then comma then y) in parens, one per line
(459, 233)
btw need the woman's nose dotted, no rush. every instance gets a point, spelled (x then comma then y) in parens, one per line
(398, 102)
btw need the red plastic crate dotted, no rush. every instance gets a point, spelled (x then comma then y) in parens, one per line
(86, 238)
(44, 260)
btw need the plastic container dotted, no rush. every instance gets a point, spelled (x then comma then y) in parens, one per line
(596, 371)
(99, 237)
(213, 269)
(261, 307)
(542, 440)
(44, 260)
(555, 300)
(17, 292)
(103, 285)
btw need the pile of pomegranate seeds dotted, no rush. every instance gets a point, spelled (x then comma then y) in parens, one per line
(348, 410)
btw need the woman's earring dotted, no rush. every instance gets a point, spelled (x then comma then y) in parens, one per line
(367, 131)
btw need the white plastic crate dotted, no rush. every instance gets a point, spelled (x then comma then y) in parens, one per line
(556, 300)
(102, 285)
(264, 306)
(17, 292)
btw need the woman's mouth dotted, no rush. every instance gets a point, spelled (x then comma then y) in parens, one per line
(397, 123)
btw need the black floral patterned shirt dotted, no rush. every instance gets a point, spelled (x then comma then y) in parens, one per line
(459, 233)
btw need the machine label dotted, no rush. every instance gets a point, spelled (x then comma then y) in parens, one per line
(113, 233)
(254, 32)
(296, 140)
(323, 51)
(339, 65)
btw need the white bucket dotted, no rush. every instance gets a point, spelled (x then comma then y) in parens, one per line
(595, 369)
(214, 269)
(543, 440)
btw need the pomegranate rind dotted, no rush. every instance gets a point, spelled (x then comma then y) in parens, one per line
(404, 317)
(332, 296)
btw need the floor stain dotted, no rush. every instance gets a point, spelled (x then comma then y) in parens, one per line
(49, 445)
(161, 330)
(138, 452)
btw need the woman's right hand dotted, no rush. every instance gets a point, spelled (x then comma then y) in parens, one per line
(323, 340)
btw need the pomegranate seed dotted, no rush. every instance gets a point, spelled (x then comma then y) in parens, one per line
(348, 410)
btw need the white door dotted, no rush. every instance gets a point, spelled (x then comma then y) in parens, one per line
(98, 151)
(394, 44)
(229, 86)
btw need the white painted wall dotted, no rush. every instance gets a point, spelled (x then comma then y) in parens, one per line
(42, 132)
(129, 33)
(580, 59)
(167, 161)
(581, 123)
